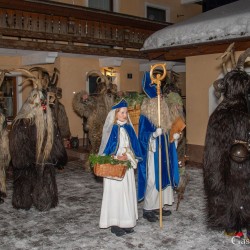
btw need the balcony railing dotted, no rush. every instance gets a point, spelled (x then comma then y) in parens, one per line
(50, 26)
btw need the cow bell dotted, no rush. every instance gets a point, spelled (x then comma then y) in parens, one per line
(239, 153)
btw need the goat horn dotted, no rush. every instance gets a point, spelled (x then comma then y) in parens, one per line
(43, 75)
(30, 76)
(228, 53)
(29, 79)
(102, 78)
(242, 59)
(54, 77)
(26, 73)
(2, 75)
(39, 69)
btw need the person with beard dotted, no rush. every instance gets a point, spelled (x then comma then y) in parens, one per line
(119, 202)
(148, 170)
(226, 156)
(36, 148)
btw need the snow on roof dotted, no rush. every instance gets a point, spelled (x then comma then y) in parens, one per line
(225, 22)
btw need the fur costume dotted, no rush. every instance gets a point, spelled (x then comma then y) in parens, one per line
(4, 144)
(149, 109)
(226, 181)
(4, 156)
(36, 148)
(60, 113)
(175, 105)
(62, 119)
(176, 110)
(95, 109)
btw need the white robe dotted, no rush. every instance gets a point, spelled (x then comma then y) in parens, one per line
(151, 200)
(119, 202)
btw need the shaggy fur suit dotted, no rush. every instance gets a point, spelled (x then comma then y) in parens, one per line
(227, 182)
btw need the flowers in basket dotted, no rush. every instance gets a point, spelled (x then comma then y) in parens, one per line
(109, 167)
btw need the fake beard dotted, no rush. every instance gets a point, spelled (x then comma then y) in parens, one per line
(44, 127)
(149, 109)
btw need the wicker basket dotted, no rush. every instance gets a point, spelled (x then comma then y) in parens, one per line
(115, 172)
(134, 114)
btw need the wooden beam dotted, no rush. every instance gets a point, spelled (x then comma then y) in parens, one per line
(70, 48)
(66, 38)
(68, 10)
(181, 52)
(55, 26)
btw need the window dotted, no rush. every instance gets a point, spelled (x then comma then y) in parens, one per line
(8, 97)
(156, 14)
(101, 4)
(93, 84)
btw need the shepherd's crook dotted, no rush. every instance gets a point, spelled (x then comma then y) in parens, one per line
(157, 81)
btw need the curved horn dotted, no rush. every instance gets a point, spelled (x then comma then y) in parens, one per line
(43, 77)
(2, 75)
(25, 72)
(242, 59)
(29, 79)
(39, 69)
(102, 78)
(29, 75)
(54, 77)
(228, 54)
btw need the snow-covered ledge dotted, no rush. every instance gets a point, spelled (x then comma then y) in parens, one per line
(231, 21)
(110, 62)
(39, 58)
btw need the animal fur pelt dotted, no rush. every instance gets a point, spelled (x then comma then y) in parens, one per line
(83, 104)
(36, 148)
(62, 119)
(176, 110)
(226, 182)
(175, 105)
(149, 108)
(95, 109)
(184, 179)
(59, 112)
(4, 156)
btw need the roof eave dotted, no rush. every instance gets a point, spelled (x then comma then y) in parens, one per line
(180, 52)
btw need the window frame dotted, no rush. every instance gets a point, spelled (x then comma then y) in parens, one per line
(157, 6)
(111, 4)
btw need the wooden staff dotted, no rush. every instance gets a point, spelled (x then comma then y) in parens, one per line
(157, 80)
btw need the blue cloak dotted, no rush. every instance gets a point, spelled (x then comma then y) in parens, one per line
(169, 158)
(113, 141)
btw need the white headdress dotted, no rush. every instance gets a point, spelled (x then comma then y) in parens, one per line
(109, 122)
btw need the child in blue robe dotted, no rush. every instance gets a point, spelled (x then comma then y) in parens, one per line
(119, 204)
